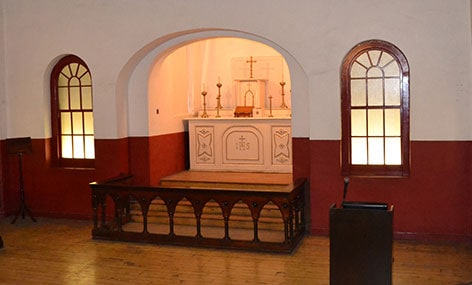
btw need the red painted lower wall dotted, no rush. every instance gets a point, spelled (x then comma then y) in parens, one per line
(59, 192)
(151, 158)
(433, 203)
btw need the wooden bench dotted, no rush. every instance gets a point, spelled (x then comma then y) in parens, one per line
(120, 191)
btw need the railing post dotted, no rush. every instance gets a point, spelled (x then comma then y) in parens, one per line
(145, 209)
(95, 209)
(256, 230)
(255, 212)
(102, 198)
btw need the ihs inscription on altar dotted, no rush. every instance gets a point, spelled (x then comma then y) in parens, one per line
(243, 145)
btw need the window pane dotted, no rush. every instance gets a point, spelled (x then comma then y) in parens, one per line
(358, 123)
(66, 128)
(392, 91)
(66, 146)
(359, 151)
(392, 122)
(81, 71)
(358, 71)
(85, 80)
(87, 97)
(66, 72)
(74, 81)
(75, 98)
(74, 67)
(88, 123)
(63, 97)
(393, 155)
(77, 123)
(385, 59)
(79, 147)
(89, 147)
(358, 94)
(62, 80)
(376, 151)
(375, 92)
(374, 72)
(374, 56)
(363, 59)
(375, 119)
(392, 69)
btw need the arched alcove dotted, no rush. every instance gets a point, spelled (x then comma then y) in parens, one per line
(133, 93)
(144, 116)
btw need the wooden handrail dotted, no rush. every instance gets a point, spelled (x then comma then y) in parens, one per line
(289, 201)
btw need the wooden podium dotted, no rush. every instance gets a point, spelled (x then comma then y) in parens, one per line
(361, 238)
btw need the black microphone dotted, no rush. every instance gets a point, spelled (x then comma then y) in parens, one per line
(346, 183)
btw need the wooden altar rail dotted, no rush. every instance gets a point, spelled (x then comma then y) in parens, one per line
(290, 202)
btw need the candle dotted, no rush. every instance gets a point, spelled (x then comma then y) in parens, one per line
(219, 80)
(282, 61)
(203, 86)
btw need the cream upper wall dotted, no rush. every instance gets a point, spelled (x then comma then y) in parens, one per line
(434, 35)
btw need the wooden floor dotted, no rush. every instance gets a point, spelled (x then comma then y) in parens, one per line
(54, 251)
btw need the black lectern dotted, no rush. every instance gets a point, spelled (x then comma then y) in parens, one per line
(19, 146)
(361, 238)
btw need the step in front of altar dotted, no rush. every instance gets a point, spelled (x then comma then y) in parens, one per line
(270, 217)
(260, 181)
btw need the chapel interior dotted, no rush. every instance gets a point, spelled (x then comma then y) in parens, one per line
(228, 143)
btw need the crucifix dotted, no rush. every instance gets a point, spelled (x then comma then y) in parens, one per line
(250, 61)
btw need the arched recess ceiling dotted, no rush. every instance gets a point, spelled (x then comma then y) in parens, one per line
(134, 111)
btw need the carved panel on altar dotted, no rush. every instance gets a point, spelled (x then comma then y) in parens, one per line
(281, 139)
(243, 145)
(204, 145)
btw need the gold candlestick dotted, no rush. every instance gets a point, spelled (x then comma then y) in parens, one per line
(283, 105)
(218, 100)
(270, 106)
(204, 115)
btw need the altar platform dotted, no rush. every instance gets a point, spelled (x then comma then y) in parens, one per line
(229, 180)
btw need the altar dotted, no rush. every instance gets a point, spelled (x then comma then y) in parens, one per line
(253, 130)
(241, 144)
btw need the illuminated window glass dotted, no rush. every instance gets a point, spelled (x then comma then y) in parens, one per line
(72, 113)
(375, 111)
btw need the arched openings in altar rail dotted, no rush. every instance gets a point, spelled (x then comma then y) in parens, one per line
(181, 76)
(184, 220)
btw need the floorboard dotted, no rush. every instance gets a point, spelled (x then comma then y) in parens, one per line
(59, 251)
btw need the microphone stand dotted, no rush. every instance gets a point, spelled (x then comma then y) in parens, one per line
(346, 183)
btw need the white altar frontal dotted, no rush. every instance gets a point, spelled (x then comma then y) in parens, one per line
(241, 144)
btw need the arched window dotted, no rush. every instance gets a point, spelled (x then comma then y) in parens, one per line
(72, 114)
(375, 111)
